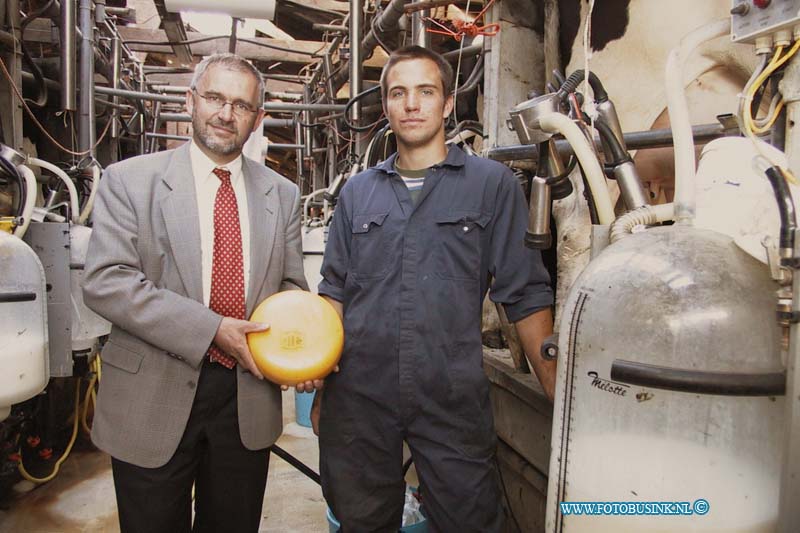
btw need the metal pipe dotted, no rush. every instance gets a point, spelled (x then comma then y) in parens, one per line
(66, 31)
(388, 21)
(426, 5)
(634, 141)
(555, 166)
(142, 118)
(8, 39)
(298, 139)
(278, 122)
(138, 95)
(176, 117)
(330, 93)
(558, 123)
(122, 12)
(467, 51)
(152, 135)
(331, 159)
(308, 133)
(284, 146)
(285, 95)
(355, 66)
(419, 32)
(100, 11)
(268, 106)
(271, 146)
(267, 123)
(156, 124)
(608, 112)
(538, 234)
(86, 124)
(232, 40)
(171, 89)
(788, 511)
(329, 27)
(630, 186)
(116, 58)
(182, 89)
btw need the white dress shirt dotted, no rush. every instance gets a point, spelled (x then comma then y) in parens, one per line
(206, 184)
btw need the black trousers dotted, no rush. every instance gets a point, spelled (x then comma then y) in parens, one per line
(229, 480)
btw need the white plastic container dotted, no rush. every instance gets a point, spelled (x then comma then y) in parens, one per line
(24, 357)
(679, 298)
(734, 196)
(87, 326)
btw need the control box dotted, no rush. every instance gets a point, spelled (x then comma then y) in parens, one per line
(751, 19)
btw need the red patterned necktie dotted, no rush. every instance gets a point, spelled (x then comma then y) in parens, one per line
(227, 271)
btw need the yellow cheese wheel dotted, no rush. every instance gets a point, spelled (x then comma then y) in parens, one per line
(304, 341)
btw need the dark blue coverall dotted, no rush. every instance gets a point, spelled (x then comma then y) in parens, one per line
(412, 279)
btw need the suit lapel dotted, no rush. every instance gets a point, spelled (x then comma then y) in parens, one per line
(262, 206)
(179, 209)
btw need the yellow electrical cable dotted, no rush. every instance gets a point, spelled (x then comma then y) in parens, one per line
(788, 176)
(776, 63)
(768, 125)
(767, 72)
(89, 397)
(64, 456)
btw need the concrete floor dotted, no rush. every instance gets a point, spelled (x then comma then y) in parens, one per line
(81, 497)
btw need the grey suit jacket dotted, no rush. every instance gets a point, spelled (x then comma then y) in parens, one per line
(143, 273)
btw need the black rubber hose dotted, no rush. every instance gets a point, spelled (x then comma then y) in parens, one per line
(474, 78)
(569, 86)
(785, 206)
(295, 462)
(371, 156)
(353, 100)
(12, 171)
(618, 154)
(698, 381)
(469, 125)
(556, 180)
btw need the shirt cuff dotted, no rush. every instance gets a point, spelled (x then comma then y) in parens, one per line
(536, 300)
(332, 291)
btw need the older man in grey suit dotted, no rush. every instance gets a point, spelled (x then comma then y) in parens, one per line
(186, 242)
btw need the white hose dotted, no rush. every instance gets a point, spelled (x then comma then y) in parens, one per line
(307, 201)
(648, 214)
(74, 206)
(679, 115)
(87, 208)
(558, 123)
(30, 199)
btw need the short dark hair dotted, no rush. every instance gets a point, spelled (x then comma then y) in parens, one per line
(417, 52)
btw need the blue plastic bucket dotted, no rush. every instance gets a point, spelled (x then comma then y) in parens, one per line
(302, 407)
(419, 527)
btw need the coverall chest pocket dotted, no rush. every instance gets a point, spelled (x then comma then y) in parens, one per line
(370, 254)
(459, 244)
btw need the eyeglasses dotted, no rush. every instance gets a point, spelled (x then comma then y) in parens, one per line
(217, 103)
